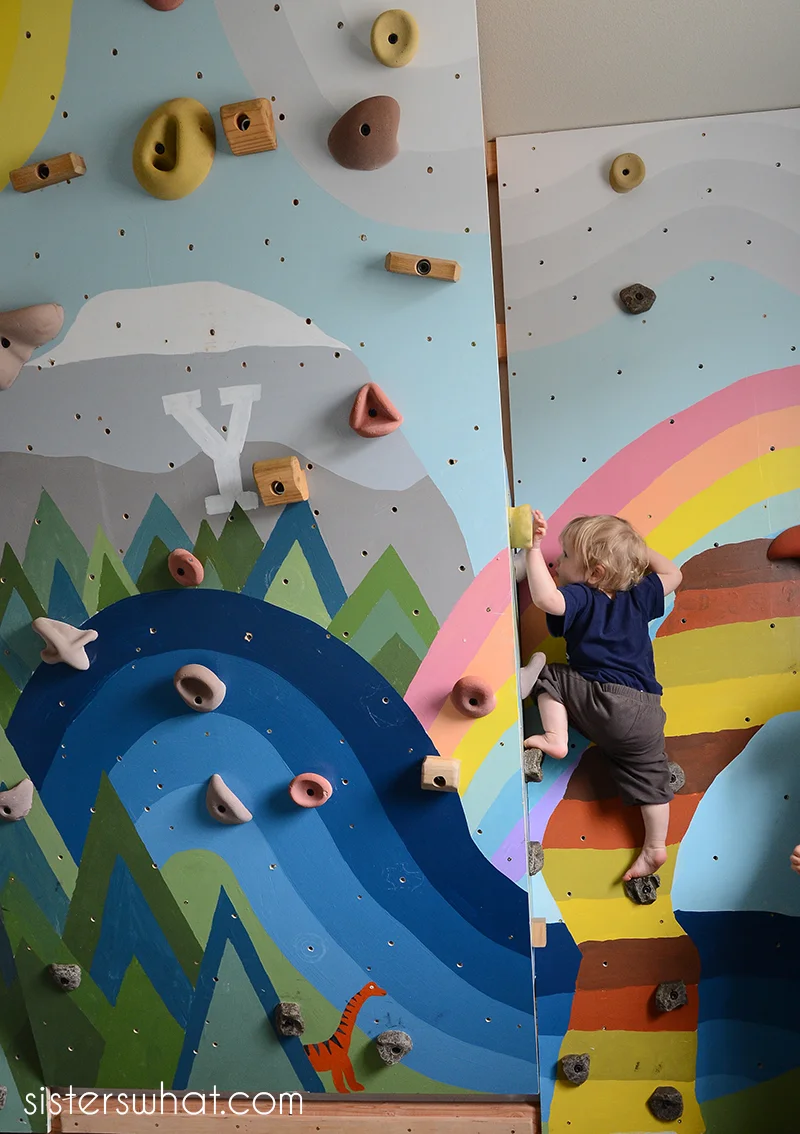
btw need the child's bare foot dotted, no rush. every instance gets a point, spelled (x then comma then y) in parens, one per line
(550, 743)
(648, 862)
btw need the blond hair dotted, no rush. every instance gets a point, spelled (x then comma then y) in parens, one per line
(611, 543)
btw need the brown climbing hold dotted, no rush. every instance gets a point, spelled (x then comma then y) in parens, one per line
(289, 1019)
(666, 1104)
(394, 38)
(164, 5)
(440, 773)
(627, 172)
(373, 415)
(393, 1045)
(532, 759)
(16, 802)
(185, 568)
(67, 977)
(21, 332)
(636, 298)
(473, 697)
(199, 687)
(643, 891)
(786, 545)
(65, 643)
(575, 1068)
(425, 267)
(365, 137)
(223, 805)
(280, 481)
(52, 171)
(249, 126)
(671, 994)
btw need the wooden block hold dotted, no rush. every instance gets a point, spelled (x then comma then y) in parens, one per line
(43, 173)
(440, 773)
(538, 932)
(249, 126)
(426, 266)
(281, 481)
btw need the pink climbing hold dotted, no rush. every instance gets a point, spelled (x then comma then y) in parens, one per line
(786, 545)
(65, 643)
(185, 568)
(310, 790)
(473, 697)
(199, 687)
(21, 332)
(373, 415)
(164, 5)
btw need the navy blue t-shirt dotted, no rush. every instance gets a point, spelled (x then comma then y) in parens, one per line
(607, 639)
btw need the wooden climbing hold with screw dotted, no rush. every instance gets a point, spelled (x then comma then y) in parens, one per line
(281, 481)
(440, 773)
(40, 174)
(249, 126)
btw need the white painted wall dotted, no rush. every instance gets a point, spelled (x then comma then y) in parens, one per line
(561, 64)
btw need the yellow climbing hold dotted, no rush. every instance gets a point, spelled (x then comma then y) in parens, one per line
(520, 526)
(395, 38)
(627, 172)
(174, 150)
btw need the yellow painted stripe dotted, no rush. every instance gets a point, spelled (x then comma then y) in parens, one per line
(736, 703)
(589, 919)
(770, 475)
(716, 653)
(670, 1056)
(485, 733)
(619, 1107)
(9, 33)
(586, 872)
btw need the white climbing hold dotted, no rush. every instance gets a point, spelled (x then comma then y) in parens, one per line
(16, 802)
(65, 643)
(223, 805)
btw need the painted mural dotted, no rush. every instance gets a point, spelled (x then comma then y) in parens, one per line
(684, 420)
(201, 335)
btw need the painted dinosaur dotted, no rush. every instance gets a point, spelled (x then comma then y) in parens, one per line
(332, 1054)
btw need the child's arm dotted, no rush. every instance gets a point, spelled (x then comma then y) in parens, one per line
(544, 592)
(668, 573)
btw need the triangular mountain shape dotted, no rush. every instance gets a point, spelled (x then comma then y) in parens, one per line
(13, 578)
(18, 670)
(397, 663)
(65, 603)
(20, 1070)
(294, 588)
(112, 588)
(386, 619)
(208, 551)
(158, 521)
(155, 574)
(298, 525)
(239, 546)
(9, 695)
(388, 574)
(143, 1041)
(103, 553)
(16, 632)
(52, 540)
(373, 415)
(21, 856)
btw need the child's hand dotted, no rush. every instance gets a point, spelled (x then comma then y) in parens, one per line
(795, 860)
(539, 528)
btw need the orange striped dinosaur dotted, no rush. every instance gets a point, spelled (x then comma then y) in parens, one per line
(331, 1055)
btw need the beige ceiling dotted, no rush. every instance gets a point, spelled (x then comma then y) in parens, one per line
(560, 64)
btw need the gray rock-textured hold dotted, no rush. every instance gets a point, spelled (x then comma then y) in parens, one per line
(67, 977)
(289, 1019)
(677, 777)
(643, 890)
(666, 1104)
(532, 765)
(575, 1068)
(16, 802)
(671, 994)
(535, 858)
(3, 1096)
(392, 1046)
(637, 298)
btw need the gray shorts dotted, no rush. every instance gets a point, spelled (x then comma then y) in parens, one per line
(627, 725)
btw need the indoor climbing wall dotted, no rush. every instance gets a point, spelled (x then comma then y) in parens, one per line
(680, 412)
(197, 232)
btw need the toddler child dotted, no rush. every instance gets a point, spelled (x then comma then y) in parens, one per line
(609, 691)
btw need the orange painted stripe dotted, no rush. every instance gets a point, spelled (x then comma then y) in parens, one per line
(607, 824)
(723, 606)
(631, 1010)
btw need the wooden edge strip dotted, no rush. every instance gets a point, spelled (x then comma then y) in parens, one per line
(491, 161)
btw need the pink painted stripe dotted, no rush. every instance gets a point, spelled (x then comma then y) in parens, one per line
(636, 466)
(459, 639)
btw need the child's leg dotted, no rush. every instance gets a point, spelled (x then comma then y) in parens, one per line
(554, 741)
(654, 849)
(529, 674)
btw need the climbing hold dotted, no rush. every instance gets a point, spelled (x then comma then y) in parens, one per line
(65, 643)
(3, 1096)
(575, 1068)
(532, 765)
(223, 805)
(666, 1104)
(473, 697)
(394, 38)
(373, 415)
(627, 172)
(288, 1019)
(199, 687)
(392, 1046)
(406, 264)
(281, 481)
(185, 568)
(174, 150)
(671, 994)
(643, 890)
(16, 802)
(53, 171)
(21, 332)
(164, 5)
(677, 776)
(520, 526)
(67, 977)
(310, 790)
(786, 545)
(439, 773)
(249, 126)
(535, 857)
(365, 137)
(637, 298)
